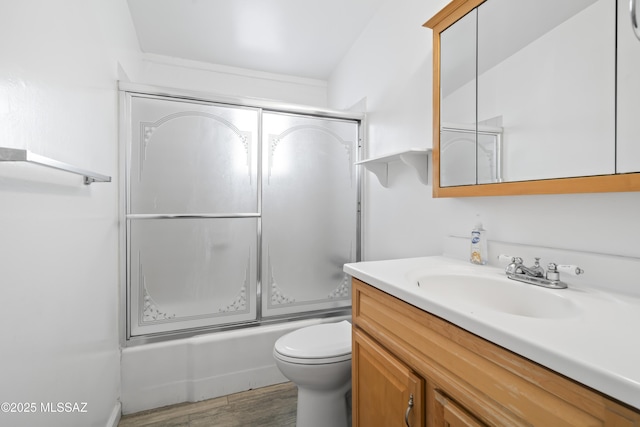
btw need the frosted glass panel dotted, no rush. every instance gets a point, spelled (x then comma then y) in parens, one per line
(192, 158)
(309, 212)
(234, 214)
(187, 273)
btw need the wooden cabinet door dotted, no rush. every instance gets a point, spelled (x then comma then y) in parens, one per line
(385, 390)
(450, 414)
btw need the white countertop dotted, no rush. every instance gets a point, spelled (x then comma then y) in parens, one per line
(597, 345)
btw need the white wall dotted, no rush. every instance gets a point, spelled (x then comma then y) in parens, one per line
(390, 66)
(229, 81)
(59, 238)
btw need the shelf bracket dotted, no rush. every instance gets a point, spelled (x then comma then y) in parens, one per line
(420, 163)
(418, 159)
(381, 171)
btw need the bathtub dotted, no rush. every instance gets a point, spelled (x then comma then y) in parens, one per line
(204, 366)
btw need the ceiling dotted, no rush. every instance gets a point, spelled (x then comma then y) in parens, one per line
(303, 38)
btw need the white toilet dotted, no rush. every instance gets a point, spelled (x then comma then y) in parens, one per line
(318, 360)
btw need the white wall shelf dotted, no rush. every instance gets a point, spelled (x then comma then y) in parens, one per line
(417, 158)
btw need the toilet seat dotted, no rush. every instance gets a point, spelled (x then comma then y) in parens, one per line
(312, 361)
(317, 344)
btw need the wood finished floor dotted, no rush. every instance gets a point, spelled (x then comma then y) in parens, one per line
(273, 406)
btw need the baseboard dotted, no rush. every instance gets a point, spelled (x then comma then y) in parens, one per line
(114, 418)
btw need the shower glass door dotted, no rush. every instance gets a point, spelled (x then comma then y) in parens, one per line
(192, 215)
(309, 207)
(235, 215)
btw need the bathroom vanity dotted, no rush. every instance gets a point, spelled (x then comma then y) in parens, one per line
(443, 355)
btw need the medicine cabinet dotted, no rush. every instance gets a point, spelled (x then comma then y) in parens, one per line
(535, 98)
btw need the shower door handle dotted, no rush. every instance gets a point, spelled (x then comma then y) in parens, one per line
(634, 18)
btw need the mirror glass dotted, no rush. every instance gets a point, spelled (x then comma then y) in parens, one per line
(458, 137)
(544, 91)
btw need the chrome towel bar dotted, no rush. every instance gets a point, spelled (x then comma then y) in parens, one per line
(19, 155)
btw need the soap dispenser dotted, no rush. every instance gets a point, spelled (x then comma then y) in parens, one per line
(479, 253)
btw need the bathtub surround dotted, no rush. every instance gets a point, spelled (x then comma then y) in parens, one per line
(203, 367)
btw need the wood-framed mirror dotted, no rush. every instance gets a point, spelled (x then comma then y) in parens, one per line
(534, 98)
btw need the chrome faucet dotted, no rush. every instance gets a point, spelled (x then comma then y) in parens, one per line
(517, 267)
(535, 275)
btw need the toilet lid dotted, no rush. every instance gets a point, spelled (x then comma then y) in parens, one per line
(317, 341)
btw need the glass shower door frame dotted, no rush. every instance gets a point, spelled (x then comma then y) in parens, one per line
(126, 93)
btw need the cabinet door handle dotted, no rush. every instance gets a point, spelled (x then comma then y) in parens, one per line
(409, 407)
(634, 18)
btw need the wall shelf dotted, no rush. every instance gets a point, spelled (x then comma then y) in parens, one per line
(417, 158)
(19, 155)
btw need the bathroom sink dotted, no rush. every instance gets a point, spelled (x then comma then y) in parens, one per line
(497, 294)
